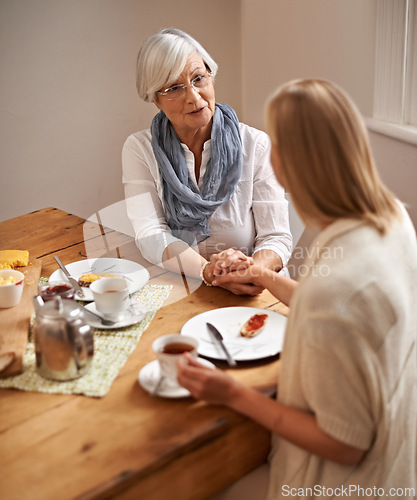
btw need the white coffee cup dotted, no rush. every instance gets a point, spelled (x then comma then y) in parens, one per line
(111, 295)
(169, 349)
(10, 294)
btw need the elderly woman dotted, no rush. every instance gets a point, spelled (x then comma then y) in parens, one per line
(346, 415)
(199, 186)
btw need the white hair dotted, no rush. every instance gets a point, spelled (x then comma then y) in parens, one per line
(162, 59)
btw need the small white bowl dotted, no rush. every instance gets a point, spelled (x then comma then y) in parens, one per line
(11, 294)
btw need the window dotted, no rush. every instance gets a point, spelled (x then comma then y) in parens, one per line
(395, 92)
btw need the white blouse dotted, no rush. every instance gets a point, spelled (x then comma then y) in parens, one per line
(255, 218)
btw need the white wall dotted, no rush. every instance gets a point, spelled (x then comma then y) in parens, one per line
(67, 86)
(287, 39)
(68, 97)
(332, 39)
(397, 162)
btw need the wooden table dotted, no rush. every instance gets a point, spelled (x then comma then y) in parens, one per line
(128, 444)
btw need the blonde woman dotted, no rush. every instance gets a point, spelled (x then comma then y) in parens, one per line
(346, 414)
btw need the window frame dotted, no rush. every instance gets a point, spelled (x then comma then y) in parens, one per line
(395, 95)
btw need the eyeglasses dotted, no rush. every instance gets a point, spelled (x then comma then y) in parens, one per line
(179, 90)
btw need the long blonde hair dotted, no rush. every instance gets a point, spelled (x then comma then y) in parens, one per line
(326, 156)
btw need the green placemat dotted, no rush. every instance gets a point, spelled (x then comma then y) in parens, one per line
(111, 350)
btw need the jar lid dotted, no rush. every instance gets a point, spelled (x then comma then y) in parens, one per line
(60, 308)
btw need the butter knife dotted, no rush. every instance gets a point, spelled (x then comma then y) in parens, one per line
(72, 280)
(219, 338)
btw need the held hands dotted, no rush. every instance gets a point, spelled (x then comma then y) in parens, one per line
(228, 261)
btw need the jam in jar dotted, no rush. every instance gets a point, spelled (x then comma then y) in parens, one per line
(52, 289)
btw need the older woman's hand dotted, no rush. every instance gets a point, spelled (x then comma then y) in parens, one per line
(227, 261)
(208, 384)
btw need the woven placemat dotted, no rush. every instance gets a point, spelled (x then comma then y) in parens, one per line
(111, 350)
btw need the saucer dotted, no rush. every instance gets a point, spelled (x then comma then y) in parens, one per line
(133, 314)
(149, 379)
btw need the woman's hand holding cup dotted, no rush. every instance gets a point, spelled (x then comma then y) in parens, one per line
(169, 350)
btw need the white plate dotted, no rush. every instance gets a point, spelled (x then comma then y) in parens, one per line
(229, 321)
(149, 379)
(136, 275)
(135, 313)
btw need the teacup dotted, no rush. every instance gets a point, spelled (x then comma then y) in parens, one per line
(11, 287)
(169, 349)
(111, 296)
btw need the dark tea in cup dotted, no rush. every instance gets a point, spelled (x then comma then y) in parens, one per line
(177, 348)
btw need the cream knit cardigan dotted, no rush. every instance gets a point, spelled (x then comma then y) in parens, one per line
(350, 358)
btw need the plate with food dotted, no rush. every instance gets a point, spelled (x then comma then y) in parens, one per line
(249, 333)
(89, 270)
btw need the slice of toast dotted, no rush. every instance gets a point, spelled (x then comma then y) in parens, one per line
(254, 325)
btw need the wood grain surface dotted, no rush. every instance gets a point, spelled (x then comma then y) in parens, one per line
(15, 321)
(129, 444)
